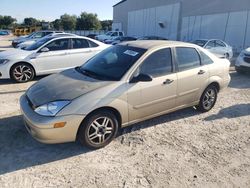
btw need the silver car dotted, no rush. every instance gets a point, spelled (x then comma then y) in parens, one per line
(125, 84)
(218, 47)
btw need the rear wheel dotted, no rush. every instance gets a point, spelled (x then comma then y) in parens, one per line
(98, 130)
(22, 72)
(208, 99)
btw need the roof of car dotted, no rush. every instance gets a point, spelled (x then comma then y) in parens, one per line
(150, 44)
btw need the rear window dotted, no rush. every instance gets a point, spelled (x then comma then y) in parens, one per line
(187, 58)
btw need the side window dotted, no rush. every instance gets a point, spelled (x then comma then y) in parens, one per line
(115, 34)
(120, 34)
(205, 59)
(80, 43)
(187, 58)
(158, 63)
(92, 44)
(211, 44)
(220, 44)
(61, 44)
(38, 35)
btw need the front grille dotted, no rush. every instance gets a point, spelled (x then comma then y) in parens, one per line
(247, 59)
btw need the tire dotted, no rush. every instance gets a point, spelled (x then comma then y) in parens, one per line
(98, 130)
(238, 70)
(208, 99)
(22, 72)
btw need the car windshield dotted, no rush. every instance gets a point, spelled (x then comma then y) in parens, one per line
(112, 63)
(37, 44)
(200, 43)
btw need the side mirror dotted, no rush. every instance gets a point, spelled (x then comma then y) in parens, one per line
(141, 78)
(44, 49)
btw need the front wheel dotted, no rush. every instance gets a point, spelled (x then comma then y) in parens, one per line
(22, 73)
(208, 99)
(98, 130)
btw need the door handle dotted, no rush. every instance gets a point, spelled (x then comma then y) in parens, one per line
(168, 81)
(201, 72)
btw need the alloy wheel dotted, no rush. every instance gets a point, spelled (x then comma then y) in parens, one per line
(209, 99)
(100, 130)
(22, 73)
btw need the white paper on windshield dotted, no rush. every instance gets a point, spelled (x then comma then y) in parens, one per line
(131, 53)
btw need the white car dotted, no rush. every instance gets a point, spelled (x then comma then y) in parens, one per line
(217, 47)
(111, 35)
(46, 56)
(242, 63)
(30, 42)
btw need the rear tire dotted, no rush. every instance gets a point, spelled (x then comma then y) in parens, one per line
(98, 130)
(208, 99)
(22, 72)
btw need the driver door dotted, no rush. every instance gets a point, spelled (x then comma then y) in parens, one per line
(146, 99)
(54, 60)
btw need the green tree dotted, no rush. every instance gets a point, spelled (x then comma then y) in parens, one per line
(6, 21)
(57, 24)
(31, 21)
(107, 25)
(88, 21)
(68, 22)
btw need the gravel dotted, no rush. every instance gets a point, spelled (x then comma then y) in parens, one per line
(181, 149)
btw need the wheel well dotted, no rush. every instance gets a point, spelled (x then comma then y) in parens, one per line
(216, 84)
(115, 111)
(22, 62)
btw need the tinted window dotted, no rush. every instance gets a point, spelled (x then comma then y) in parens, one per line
(80, 43)
(158, 64)
(38, 35)
(38, 44)
(61, 44)
(220, 44)
(92, 44)
(211, 44)
(112, 63)
(205, 60)
(120, 34)
(114, 34)
(187, 58)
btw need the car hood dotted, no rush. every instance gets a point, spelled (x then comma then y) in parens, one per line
(15, 54)
(66, 85)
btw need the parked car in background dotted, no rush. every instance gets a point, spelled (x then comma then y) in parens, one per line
(30, 42)
(151, 38)
(242, 64)
(218, 47)
(4, 32)
(92, 36)
(48, 55)
(125, 84)
(118, 40)
(109, 35)
(32, 37)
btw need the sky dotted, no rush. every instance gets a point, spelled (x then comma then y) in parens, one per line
(50, 10)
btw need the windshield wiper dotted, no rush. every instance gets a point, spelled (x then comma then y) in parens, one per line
(88, 73)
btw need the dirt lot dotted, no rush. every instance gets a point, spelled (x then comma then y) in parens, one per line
(181, 149)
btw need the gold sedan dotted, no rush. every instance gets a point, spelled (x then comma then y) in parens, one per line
(120, 86)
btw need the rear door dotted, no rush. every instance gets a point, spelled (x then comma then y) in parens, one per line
(81, 51)
(192, 75)
(149, 98)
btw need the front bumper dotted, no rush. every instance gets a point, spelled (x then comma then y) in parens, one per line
(42, 128)
(241, 65)
(4, 71)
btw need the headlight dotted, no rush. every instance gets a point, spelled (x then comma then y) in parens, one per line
(3, 61)
(52, 108)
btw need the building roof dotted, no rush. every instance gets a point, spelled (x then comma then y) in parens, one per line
(119, 3)
(150, 44)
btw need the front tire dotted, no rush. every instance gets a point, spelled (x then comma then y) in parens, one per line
(22, 72)
(208, 99)
(98, 130)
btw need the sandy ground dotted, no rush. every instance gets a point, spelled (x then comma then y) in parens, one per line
(181, 149)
